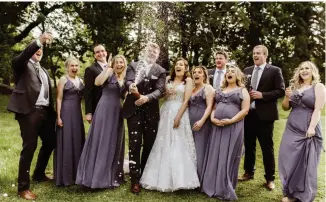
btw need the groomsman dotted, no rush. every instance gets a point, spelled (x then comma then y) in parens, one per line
(93, 93)
(216, 75)
(267, 86)
(142, 113)
(32, 103)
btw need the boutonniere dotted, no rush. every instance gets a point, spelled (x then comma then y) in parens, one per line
(211, 76)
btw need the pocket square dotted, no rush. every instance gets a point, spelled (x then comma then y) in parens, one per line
(153, 77)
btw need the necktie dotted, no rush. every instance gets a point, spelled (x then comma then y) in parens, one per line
(43, 79)
(218, 79)
(254, 79)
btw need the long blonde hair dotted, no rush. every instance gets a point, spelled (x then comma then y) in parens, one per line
(240, 78)
(203, 68)
(123, 74)
(68, 62)
(297, 82)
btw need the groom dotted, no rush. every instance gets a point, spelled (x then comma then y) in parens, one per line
(142, 113)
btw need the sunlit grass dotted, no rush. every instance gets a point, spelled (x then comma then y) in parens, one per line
(10, 146)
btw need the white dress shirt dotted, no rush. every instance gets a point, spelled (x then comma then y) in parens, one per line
(41, 101)
(216, 74)
(262, 67)
(102, 65)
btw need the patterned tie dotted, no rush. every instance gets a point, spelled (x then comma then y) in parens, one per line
(218, 79)
(254, 80)
(43, 79)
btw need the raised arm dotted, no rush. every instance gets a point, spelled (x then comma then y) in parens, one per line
(103, 76)
(19, 61)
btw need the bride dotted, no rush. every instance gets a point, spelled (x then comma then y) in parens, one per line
(172, 162)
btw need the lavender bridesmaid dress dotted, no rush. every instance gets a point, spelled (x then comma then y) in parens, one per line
(298, 155)
(101, 162)
(71, 137)
(197, 107)
(220, 173)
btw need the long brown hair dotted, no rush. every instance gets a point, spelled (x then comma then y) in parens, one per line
(186, 74)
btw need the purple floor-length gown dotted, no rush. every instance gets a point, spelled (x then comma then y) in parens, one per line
(101, 162)
(70, 137)
(197, 107)
(220, 173)
(298, 155)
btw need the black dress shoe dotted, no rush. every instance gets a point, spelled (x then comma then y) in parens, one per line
(43, 179)
(135, 188)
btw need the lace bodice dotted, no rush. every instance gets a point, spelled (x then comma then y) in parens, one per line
(179, 92)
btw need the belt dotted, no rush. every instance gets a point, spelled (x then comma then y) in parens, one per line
(40, 107)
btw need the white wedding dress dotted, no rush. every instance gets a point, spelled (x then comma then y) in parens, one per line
(171, 164)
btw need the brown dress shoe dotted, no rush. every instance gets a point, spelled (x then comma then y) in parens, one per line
(246, 177)
(270, 185)
(27, 194)
(135, 188)
(43, 179)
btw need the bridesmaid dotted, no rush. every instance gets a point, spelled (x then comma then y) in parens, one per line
(200, 107)
(101, 162)
(232, 101)
(70, 126)
(302, 139)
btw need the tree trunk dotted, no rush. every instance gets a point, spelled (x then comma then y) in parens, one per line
(164, 38)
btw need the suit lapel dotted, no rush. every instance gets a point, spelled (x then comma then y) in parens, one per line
(36, 72)
(98, 67)
(152, 71)
(264, 76)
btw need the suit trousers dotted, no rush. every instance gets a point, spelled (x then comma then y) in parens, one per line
(263, 130)
(142, 129)
(38, 122)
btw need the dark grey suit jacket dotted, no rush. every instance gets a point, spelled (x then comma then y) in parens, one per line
(152, 86)
(211, 73)
(271, 85)
(92, 93)
(27, 83)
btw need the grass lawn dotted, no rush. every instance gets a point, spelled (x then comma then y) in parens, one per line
(10, 147)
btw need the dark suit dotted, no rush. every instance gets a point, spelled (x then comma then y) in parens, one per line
(33, 121)
(143, 120)
(259, 123)
(92, 93)
(211, 73)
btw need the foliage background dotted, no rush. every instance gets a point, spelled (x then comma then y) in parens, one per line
(293, 31)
